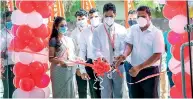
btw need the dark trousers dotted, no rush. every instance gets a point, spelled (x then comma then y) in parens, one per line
(147, 88)
(7, 78)
(95, 93)
(82, 87)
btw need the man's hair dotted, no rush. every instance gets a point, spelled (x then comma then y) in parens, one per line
(109, 7)
(132, 12)
(144, 8)
(81, 12)
(93, 10)
(7, 14)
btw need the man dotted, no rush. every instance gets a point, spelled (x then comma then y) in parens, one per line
(7, 75)
(87, 54)
(146, 43)
(81, 18)
(107, 44)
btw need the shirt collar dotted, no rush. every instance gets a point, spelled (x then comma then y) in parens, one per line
(110, 27)
(150, 28)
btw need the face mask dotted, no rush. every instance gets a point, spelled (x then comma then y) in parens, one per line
(132, 22)
(109, 21)
(95, 22)
(82, 23)
(142, 22)
(63, 30)
(8, 25)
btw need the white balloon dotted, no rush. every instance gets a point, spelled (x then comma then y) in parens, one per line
(177, 23)
(37, 93)
(25, 58)
(45, 21)
(34, 19)
(47, 92)
(15, 57)
(41, 58)
(18, 17)
(18, 93)
(161, 1)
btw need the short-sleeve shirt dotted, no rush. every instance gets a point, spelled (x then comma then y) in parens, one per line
(145, 44)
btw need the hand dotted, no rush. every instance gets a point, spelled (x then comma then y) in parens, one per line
(119, 60)
(63, 64)
(134, 71)
(85, 76)
(78, 72)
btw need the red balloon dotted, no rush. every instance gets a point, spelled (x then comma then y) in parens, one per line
(176, 52)
(50, 2)
(177, 79)
(176, 4)
(21, 70)
(36, 45)
(25, 33)
(42, 81)
(16, 81)
(175, 93)
(17, 2)
(26, 6)
(175, 38)
(45, 67)
(26, 84)
(14, 29)
(169, 12)
(45, 11)
(36, 68)
(18, 44)
(40, 3)
(41, 32)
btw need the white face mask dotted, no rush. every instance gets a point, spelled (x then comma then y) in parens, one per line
(81, 23)
(109, 21)
(142, 22)
(95, 21)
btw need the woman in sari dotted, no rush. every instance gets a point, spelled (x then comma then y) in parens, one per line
(62, 49)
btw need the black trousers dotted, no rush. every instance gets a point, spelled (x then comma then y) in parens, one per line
(95, 93)
(147, 88)
(7, 78)
(82, 87)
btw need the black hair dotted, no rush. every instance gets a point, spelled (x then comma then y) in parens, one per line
(7, 14)
(93, 10)
(55, 33)
(144, 8)
(81, 12)
(132, 12)
(109, 7)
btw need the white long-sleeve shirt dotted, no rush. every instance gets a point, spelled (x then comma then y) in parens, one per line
(101, 45)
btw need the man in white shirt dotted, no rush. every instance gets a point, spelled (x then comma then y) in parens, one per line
(108, 42)
(87, 54)
(7, 63)
(145, 43)
(81, 18)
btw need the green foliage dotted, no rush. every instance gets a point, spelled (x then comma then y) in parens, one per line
(70, 9)
(156, 8)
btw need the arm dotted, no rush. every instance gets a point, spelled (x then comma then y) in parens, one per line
(154, 58)
(82, 52)
(96, 46)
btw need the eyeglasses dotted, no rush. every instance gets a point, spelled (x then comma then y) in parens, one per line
(63, 25)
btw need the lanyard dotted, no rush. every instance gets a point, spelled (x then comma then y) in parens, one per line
(112, 39)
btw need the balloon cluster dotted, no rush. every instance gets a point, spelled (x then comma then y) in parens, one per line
(31, 36)
(176, 13)
(100, 67)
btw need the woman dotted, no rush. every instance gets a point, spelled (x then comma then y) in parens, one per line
(61, 49)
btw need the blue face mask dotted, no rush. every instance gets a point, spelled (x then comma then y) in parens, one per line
(132, 22)
(8, 25)
(63, 30)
